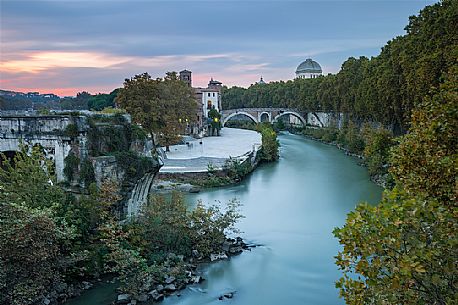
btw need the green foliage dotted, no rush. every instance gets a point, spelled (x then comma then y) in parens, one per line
(71, 130)
(32, 231)
(72, 163)
(111, 110)
(270, 143)
(134, 165)
(27, 178)
(241, 124)
(87, 175)
(384, 89)
(402, 251)
(29, 253)
(168, 226)
(215, 118)
(161, 106)
(138, 133)
(279, 125)
(235, 169)
(377, 149)
(405, 250)
(113, 133)
(353, 139)
(101, 101)
(211, 168)
(426, 159)
(327, 134)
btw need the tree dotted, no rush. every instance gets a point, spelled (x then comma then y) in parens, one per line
(215, 120)
(29, 253)
(270, 143)
(162, 106)
(101, 101)
(402, 251)
(405, 250)
(33, 230)
(27, 179)
(426, 159)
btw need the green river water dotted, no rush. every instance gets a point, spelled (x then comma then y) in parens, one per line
(290, 209)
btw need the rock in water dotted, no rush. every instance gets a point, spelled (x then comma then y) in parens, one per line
(214, 257)
(156, 296)
(142, 298)
(170, 287)
(123, 298)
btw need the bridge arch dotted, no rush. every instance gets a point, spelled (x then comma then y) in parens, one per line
(297, 115)
(265, 117)
(239, 113)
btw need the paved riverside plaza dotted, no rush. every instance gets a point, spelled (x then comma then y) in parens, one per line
(195, 156)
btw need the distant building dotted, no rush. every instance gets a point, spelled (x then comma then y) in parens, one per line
(261, 82)
(185, 76)
(309, 69)
(207, 99)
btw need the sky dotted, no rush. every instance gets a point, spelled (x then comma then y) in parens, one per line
(65, 47)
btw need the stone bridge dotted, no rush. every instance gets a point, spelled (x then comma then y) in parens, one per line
(271, 115)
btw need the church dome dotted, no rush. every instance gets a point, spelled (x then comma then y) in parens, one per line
(309, 66)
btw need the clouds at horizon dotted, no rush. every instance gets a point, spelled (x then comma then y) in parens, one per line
(70, 46)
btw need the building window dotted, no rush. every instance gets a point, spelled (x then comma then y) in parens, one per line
(209, 104)
(208, 94)
(213, 94)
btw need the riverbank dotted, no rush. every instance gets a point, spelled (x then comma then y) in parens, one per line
(329, 136)
(290, 209)
(196, 155)
(216, 166)
(233, 171)
(180, 272)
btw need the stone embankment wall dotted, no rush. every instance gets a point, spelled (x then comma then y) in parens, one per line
(90, 138)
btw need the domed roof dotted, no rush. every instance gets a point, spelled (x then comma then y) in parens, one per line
(309, 66)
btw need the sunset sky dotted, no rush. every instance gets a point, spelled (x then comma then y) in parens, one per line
(64, 47)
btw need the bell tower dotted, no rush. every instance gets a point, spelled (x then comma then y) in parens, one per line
(185, 76)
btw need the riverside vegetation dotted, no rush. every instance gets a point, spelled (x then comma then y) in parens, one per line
(402, 251)
(70, 241)
(405, 249)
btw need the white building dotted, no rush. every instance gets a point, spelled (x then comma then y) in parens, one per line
(210, 99)
(308, 69)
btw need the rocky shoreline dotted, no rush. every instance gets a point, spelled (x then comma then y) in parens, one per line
(172, 283)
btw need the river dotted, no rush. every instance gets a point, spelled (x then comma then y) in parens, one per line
(291, 208)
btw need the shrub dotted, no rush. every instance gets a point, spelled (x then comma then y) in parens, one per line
(236, 169)
(71, 130)
(134, 166)
(377, 149)
(87, 175)
(270, 143)
(72, 163)
(168, 226)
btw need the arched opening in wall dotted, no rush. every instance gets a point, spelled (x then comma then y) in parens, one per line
(7, 156)
(240, 120)
(265, 117)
